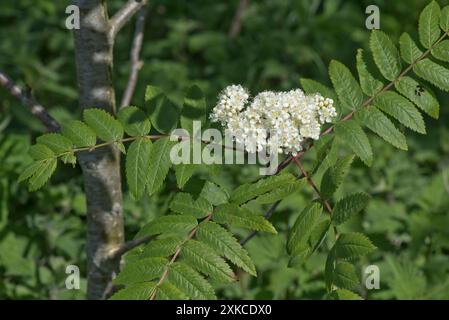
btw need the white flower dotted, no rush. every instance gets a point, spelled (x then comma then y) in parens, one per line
(230, 102)
(278, 121)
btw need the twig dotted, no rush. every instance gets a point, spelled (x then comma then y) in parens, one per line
(27, 100)
(173, 259)
(122, 16)
(128, 246)
(318, 192)
(136, 63)
(236, 24)
(313, 185)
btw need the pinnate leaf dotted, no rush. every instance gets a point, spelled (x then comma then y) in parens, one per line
(79, 133)
(377, 122)
(137, 165)
(429, 29)
(349, 206)
(348, 90)
(223, 242)
(134, 121)
(104, 124)
(385, 54)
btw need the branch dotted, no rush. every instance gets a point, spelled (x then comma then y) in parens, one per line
(173, 259)
(236, 24)
(136, 63)
(122, 16)
(313, 185)
(318, 192)
(36, 109)
(128, 246)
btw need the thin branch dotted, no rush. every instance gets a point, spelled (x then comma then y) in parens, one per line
(136, 63)
(313, 185)
(173, 259)
(318, 192)
(128, 246)
(122, 16)
(27, 100)
(236, 24)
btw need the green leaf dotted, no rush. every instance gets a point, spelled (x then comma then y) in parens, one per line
(137, 164)
(410, 52)
(385, 54)
(353, 245)
(333, 177)
(56, 142)
(224, 243)
(167, 291)
(311, 86)
(370, 85)
(329, 269)
(401, 109)
(104, 124)
(303, 227)
(214, 194)
(206, 261)
(249, 191)
(190, 282)
(162, 247)
(136, 291)
(41, 152)
(345, 276)
(160, 163)
(349, 206)
(377, 122)
(354, 136)
(236, 216)
(281, 192)
(444, 19)
(164, 114)
(433, 73)
(79, 133)
(134, 121)
(183, 203)
(170, 224)
(441, 52)
(429, 29)
(121, 147)
(344, 294)
(425, 100)
(142, 270)
(194, 108)
(327, 149)
(39, 173)
(60, 145)
(29, 171)
(183, 173)
(348, 90)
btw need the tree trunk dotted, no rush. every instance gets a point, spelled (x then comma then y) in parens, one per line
(101, 168)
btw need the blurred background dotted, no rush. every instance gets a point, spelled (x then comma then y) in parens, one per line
(279, 41)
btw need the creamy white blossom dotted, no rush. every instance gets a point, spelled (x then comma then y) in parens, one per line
(272, 120)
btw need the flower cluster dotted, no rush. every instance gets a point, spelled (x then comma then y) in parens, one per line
(272, 120)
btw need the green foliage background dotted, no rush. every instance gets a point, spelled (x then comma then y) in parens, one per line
(185, 42)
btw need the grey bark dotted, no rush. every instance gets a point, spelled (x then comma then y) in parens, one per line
(101, 168)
